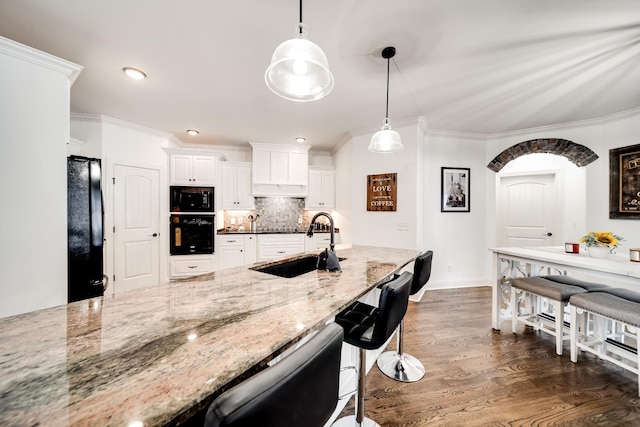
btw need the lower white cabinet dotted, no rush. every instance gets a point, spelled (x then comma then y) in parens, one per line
(320, 241)
(237, 250)
(191, 265)
(275, 246)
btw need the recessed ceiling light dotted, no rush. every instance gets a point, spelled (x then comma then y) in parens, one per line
(192, 132)
(301, 139)
(134, 73)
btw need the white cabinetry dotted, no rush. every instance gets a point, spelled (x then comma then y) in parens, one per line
(280, 170)
(191, 265)
(192, 169)
(275, 246)
(237, 250)
(322, 189)
(317, 241)
(236, 186)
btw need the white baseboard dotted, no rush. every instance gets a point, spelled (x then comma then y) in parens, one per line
(442, 284)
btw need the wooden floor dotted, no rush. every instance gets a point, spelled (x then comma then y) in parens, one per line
(476, 376)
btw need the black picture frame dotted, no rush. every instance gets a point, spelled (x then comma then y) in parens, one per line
(455, 189)
(624, 182)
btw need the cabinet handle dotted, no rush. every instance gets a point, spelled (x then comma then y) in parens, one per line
(282, 252)
(193, 266)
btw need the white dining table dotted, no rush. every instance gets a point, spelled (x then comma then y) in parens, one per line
(617, 270)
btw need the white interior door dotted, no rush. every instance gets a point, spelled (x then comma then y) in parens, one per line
(526, 210)
(136, 222)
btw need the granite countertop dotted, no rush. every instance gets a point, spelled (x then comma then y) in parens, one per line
(160, 354)
(223, 232)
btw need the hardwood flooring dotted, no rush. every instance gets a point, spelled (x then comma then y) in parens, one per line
(476, 376)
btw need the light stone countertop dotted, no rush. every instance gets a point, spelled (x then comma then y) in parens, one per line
(125, 358)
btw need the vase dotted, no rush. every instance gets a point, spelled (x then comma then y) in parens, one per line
(599, 251)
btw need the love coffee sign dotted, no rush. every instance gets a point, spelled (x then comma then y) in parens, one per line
(382, 192)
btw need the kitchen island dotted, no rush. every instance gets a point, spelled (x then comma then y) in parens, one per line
(160, 355)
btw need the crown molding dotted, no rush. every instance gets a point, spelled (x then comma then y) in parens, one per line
(40, 58)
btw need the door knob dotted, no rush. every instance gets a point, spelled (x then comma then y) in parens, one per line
(548, 234)
(154, 235)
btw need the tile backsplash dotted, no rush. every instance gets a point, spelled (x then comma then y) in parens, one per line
(275, 214)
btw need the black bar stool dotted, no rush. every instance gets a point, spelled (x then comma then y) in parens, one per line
(300, 390)
(368, 328)
(396, 364)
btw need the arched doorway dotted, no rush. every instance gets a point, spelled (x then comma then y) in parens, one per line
(575, 153)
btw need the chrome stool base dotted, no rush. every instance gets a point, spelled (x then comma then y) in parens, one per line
(350, 421)
(401, 367)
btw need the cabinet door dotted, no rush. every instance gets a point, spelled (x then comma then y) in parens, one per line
(231, 257)
(203, 168)
(261, 166)
(229, 187)
(280, 166)
(250, 249)
(322, 190)
(298, 164)
(190, 265)
(328, 197)
(243, 188)
(181, 169)
(314, 199)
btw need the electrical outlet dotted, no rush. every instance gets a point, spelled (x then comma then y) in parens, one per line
(450, 268)
(403, 226)
(233, 220)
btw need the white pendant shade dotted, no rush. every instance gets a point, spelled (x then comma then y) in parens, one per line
(299, 71)
(385, 140)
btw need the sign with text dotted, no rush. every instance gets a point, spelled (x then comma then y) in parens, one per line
(382, 192)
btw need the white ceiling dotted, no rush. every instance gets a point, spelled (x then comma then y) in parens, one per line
(464, 65)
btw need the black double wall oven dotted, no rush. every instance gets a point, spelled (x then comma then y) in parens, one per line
(192, 220)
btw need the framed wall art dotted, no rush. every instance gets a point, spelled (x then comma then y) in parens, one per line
(455, 190)
(382, 192)
(624, 182)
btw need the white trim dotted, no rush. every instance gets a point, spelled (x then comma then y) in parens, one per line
(38, 57)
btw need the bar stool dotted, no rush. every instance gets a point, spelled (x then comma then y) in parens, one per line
(300, 390)
(557, 289)
(368, 328)
(397, 364)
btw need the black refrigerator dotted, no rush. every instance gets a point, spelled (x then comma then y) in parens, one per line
(85, 229)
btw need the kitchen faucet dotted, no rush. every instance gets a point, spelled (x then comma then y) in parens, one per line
(313, 221)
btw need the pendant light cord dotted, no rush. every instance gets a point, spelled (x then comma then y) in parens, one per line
(300, 26)
(387, 110)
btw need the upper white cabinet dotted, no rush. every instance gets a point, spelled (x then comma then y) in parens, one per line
(193, 169)
(322, 188)
(236, 186)
(280, 170)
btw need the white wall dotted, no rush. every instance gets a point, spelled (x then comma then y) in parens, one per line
(600, 136)
(343, 215)
(34, 130)
(615, 133)
(381, 228)
(458, 239)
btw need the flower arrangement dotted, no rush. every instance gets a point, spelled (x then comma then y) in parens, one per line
(601, 238)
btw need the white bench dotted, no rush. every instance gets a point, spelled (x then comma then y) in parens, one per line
(606, 324)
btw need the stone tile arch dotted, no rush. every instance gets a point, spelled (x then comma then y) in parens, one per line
(575, 153)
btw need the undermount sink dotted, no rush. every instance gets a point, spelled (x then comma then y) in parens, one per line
(292, 268)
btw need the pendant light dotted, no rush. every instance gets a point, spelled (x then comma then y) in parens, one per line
(299, 69)
(386, 140)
